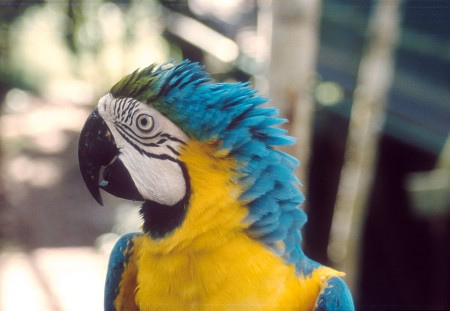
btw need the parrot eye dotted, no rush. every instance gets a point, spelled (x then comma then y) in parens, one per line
(145, 123)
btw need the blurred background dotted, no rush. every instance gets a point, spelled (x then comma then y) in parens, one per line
(365, 85)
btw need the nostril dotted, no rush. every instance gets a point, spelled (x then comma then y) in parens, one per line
(105, 172)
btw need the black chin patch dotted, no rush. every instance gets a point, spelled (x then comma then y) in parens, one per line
(159, 219)
(118, 182)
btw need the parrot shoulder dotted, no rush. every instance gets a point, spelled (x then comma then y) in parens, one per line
(121, 275)
(334, 295)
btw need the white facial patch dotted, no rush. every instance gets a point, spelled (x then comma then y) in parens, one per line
(148, 146)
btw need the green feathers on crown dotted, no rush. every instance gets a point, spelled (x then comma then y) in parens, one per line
(139, 85)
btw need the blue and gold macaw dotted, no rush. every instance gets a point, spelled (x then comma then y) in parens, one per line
(221, 217)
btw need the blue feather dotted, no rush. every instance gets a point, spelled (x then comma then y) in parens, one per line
(231, 114)
(270, 218)
(258, 232)
(291, 240)
(235, 138)
(253, 121)
(253, 149)
(260, 207)
(335, 296)
(120, 255)
(274, 234)
(261, 186)
(272, 121)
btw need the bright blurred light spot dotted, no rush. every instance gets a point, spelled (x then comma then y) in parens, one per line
(329, 93)
(430, 192)
(52, 279)
(38, 44)
(108, 42)
(336, 251)
(20, 169)
(20, 290)
(89, 34)
(17, 100)
(226, 10)
(70, 91)
(106, 242)
(37, 172)
(111, 18)
(113, 28)
(75, 275)
(46, 173)
(42, 120)
(248, 41)
(204, 37)
(127, 218)
(51, 142)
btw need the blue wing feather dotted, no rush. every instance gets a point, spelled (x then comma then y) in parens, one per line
(120, 255)
(335, 296)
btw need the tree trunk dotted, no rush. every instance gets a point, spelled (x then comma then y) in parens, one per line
(291, 68)
(374, 81)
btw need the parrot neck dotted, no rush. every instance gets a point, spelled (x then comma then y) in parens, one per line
(210, 216)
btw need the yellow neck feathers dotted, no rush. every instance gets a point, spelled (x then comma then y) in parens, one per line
(214, 212)
(209, 262)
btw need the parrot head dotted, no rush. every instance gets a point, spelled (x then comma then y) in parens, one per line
(134, 146)
(135, 149)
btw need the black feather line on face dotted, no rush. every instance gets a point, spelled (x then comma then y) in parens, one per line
(173, 150)
(146, 153)
(159, 219)
(173, 138)
(130, 112)
(126, 129)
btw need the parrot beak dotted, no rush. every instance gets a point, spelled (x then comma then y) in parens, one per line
(96, 150)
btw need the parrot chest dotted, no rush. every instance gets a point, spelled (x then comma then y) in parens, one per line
(241, 276)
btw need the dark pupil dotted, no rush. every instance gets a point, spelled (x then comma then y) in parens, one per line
(144, 122)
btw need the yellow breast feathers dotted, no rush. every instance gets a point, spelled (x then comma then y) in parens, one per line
(209, 262)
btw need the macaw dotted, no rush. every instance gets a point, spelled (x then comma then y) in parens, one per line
(220, 205)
